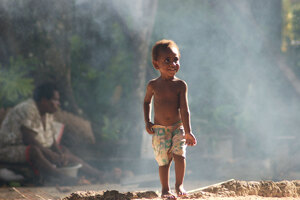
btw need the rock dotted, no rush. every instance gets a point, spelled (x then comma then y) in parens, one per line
(76, 130)
(110, 195)
(262, 188)
(147, 194)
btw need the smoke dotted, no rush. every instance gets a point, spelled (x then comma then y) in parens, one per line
(244, 110)
(239, 98)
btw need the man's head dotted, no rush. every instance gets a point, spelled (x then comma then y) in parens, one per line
(47, 97)
(165, 57)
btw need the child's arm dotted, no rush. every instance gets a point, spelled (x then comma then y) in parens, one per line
(185, 115)
(147, 108)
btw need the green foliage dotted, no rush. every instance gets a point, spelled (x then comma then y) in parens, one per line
(110, 128)
(296, 24)
(15, 83)
(292, 34)
(103, 89)
(76, 45)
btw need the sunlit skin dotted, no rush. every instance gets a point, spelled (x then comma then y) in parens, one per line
(170, 106)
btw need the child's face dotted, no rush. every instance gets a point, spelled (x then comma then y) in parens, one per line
(167, 62)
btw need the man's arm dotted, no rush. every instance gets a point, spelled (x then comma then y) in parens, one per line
(185, 115)
(55, 147)
(147, 108)
(28, 136)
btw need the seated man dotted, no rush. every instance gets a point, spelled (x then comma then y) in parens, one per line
(28, 135)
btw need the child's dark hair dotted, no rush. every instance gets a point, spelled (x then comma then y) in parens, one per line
(45, 90)
(162, 45)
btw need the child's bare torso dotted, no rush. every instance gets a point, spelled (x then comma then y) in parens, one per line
(166, 101)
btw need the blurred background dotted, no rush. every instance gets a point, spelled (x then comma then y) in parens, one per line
(240, 59)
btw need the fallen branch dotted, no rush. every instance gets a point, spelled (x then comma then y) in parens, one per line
(15, 189)
(40, 197)
(203, 188)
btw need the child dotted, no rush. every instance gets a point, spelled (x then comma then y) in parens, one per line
(171, 129)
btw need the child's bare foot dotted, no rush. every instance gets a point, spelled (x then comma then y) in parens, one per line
(168, 195)
(180, 191)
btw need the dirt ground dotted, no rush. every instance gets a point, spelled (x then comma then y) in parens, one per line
(228, 190)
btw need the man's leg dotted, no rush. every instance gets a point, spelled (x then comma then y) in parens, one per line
(179, 174)
(46, 168)
(86, 168)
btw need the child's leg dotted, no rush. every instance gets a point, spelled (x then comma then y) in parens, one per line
(164, 172)
(179, 174)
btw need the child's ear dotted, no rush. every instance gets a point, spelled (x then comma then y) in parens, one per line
(155, 65)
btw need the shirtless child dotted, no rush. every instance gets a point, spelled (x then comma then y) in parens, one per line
(171, 131)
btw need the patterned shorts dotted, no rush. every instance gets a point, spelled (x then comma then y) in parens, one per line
(168, 140)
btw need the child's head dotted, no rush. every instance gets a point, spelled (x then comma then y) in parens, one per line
(165, 57)
(163, 45)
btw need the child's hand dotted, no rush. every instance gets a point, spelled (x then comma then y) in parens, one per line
(190, 139)
(149, 128)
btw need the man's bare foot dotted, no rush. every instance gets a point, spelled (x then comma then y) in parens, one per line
(168, 195)
(180, 191)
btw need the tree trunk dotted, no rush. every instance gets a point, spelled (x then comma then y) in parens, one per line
(273, 45)
(57, 56)
(145, 10)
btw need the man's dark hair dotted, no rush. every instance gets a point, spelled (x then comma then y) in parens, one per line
(45, 90)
